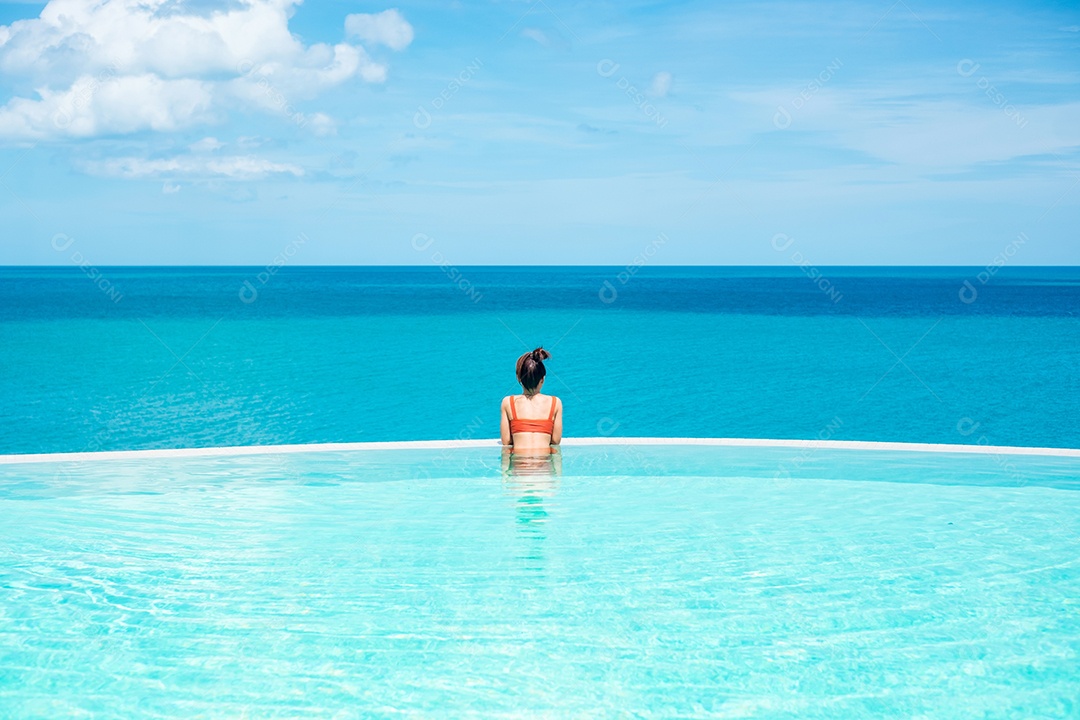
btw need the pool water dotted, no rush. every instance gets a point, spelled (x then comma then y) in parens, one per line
(649, 581)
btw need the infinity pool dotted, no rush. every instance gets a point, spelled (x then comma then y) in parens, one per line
(656, 581)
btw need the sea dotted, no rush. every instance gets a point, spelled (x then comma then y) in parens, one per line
(118, 358)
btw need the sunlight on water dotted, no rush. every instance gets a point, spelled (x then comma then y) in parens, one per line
(420, 582)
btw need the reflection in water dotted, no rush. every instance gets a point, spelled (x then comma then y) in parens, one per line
(544, 462)
(532, 477)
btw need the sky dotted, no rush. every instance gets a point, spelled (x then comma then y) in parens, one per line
(899, 132)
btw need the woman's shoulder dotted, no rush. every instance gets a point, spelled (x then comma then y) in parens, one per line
(539, 396)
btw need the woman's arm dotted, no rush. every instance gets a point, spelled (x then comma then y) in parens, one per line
(504, 423)
(556, 431)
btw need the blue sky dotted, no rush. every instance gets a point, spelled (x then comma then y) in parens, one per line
(893, 132)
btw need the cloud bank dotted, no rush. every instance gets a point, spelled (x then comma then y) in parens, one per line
(115, 67)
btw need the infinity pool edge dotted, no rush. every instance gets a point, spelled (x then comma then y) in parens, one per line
(492, 443)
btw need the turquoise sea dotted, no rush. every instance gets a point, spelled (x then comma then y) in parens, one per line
(125, 358)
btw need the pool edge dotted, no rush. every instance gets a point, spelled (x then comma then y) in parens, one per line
(447, 444)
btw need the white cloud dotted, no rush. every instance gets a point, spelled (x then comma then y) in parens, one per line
(661, 84)
(387, 28)
(237, 167)
(926, 134)
(249, 141)
(275, 86)
(322, 125)
(121, 105)
(538, 35)
(121, 66)
(169, 188)
(207, 144)
(956, 135)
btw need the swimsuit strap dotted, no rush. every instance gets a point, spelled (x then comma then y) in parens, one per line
(513, 412)
(551, 415)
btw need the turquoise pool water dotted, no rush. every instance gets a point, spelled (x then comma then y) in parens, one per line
(647, 581)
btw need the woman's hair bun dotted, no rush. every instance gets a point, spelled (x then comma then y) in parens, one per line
(530, 368)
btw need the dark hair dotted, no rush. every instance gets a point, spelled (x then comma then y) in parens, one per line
(530, 368)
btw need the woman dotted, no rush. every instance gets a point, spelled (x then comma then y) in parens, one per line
(531, 422)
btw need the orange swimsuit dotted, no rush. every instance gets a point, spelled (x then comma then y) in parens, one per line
(524, 425)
